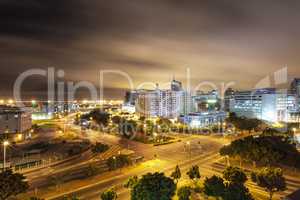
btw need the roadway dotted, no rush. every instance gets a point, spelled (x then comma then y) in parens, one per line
(202, 150)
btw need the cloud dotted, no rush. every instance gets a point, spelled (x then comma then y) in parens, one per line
(151, 40)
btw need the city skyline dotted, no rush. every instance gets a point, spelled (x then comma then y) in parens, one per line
(149, 99)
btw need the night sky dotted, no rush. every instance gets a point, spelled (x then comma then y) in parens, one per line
(154, 40)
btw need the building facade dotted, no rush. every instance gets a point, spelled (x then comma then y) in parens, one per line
(203, 119)
(206, 101)
(14, 120)
(265, 104)
(295, 87)
(170, 103)
(160, 103)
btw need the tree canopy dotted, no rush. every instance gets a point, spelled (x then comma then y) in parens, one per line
(176, 175)
(154, 186)
(243, 123)
(194, 173)
(119, 161)
(235, 175)
(184, 193)
(266, 150)
(11, 184)
(99, 116)
(214, 186)
(232, 187)
(271, 179)
(109, 195)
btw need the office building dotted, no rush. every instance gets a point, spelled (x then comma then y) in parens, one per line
(203, 119)
(160, 103)
(176, 85)
(168, 103)
(265, 104)
(228, 96)
(14, 120)
(205, 101)
(295, 87)
(130, 97)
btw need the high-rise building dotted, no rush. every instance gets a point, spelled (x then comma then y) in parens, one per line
(163, 103)
(295, 87)
(204, 119)
(265, 104)
(228, 96)
(176, 85)
(206, 102)
(130, 97)
(14, 120)
(160, 103)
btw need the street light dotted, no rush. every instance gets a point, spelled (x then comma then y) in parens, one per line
(155, 136)
(20, 136)
(189, 146)
(33, 102)
(10, 101)
(294, 132)
(5, 144)
(115, 161)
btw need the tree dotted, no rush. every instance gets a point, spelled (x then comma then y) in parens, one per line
(194, 173)
(11, 184)
(149, 127)
(109, 195)
(142, 118)
(128, 127)
(116, 119)
(176, 175)
(271, 179)
(153, 186)
(270, 132)
(119, 161)
(99, 147)
(235, 175)
(131, 182)
(184, 193)
(98, 116)
(266, 150)
(236, 192)
(214, 186)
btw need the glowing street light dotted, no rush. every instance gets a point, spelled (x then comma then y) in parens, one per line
(10, 101)
(20, 136)
(115, 161)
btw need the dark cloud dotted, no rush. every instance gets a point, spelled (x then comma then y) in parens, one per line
(151, 40)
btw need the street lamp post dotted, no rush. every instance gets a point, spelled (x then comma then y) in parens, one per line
(5, 144)
(294, 133)
(189, 146)
(115, 162)
(155, 136)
